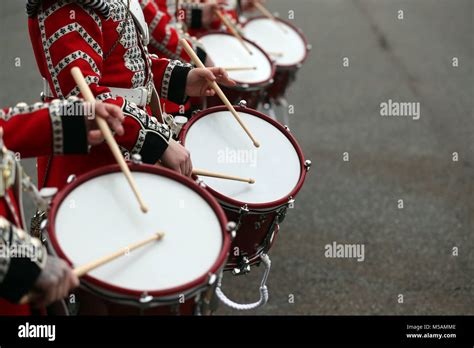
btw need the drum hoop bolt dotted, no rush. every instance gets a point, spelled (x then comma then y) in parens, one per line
(243, 103)
(232, 229)
(201, 183)
(145, 298)
(212, 279)
(291, 203)
(244, 210)
(137, 159)
(71, 178)
(308, 165)
(287, 128)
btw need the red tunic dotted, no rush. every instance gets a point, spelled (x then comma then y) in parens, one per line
(110, 51)
(31, 131)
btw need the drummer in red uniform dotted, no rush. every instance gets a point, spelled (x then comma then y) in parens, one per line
(108, 41)
(29, 131)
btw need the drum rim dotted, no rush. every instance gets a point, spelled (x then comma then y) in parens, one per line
(252, 206)
(195, 283)
(262, 83)
(296, 29)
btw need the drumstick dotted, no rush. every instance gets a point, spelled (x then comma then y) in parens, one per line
(201, 172)
(234, 32)
(109, 138)
(83, 270)
(240, 68)
(276, 54)
(268, 14)
(218, 90)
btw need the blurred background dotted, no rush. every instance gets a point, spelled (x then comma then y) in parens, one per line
(337, 109)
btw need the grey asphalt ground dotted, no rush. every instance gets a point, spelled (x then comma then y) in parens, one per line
(407, 251)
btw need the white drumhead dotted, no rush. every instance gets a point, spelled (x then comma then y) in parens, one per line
(273, 39)
(217, 143)
(227, 51)
(102, 216)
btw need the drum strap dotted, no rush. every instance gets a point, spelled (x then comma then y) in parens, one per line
(263, 290)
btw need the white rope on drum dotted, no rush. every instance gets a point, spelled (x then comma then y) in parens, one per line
(264, 295)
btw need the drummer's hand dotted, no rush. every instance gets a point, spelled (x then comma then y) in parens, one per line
(54, 283)
(209, 12)
(198, 85)
(114, 117)
(177, 158)
(249, 5)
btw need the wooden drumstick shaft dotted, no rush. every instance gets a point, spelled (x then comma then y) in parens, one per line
(269, 15)
(109, 138)
(219, 91)
(234, 31)
(276, 54)
(83, 270)
(201, 172)
(240, 68)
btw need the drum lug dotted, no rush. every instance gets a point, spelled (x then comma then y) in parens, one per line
(212, 279)
(137, 159)
(243, 266)
(245, 85)
(38, 225)
(232, 229)
(195, 112)
(272, 81)
(309, 47)
(201, 183)
(291, 203)
(71, 178)
(281, 215)
(244, 210)
(145, 298)
(243, 103)
(308, 165)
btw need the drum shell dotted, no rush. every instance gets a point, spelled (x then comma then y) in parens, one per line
(283, 80)
(256, 233)
(253, 98)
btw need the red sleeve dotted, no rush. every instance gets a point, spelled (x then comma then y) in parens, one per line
(40, 130)
(164, 36)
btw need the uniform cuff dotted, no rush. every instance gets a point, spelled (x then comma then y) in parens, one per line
(153, 148)
(22, 275)
(176, 91)
(75, 135)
